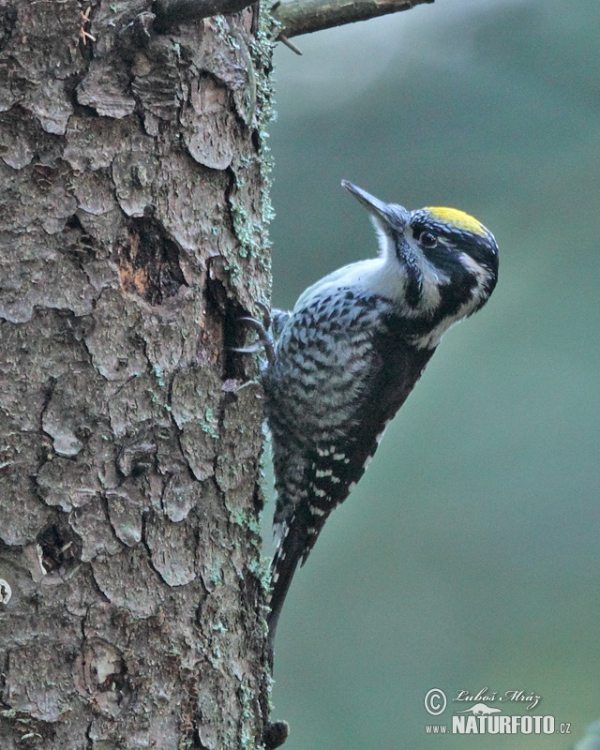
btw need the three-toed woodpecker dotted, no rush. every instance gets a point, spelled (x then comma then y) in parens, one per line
(350, 352)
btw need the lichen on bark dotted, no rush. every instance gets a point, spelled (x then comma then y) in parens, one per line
(134, 191)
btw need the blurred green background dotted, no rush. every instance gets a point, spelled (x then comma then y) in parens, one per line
(469, 554)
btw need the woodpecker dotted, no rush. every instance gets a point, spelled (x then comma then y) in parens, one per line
(349, 353)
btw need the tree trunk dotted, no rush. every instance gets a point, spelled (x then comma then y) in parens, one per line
(134, 207)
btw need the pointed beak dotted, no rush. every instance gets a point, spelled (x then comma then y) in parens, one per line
(394, 216)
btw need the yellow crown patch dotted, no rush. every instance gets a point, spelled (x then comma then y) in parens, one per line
(458, 219)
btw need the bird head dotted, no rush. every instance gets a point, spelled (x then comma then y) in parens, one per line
(441, 264)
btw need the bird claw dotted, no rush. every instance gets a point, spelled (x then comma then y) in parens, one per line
(246, 349)
(264, 337)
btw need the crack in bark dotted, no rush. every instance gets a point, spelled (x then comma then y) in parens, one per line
(146, 517)
(48, 393)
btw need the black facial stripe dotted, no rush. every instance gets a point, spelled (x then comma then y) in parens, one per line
(414, 282)
(409, 328)
(456, 294)
(445, 257)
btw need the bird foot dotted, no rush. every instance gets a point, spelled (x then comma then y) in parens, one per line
(264, 337)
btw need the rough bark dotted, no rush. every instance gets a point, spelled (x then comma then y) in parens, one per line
(132, 237)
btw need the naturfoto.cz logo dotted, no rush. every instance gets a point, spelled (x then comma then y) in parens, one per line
(482, 718)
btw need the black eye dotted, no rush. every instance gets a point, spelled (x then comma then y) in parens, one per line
(428, 240)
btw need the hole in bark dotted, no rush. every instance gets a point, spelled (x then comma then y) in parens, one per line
(149, 262)
(226, 313)
(60, 548)
(216, 295)
(77, 244)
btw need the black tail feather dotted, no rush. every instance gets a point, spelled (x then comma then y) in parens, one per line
(285, 562)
